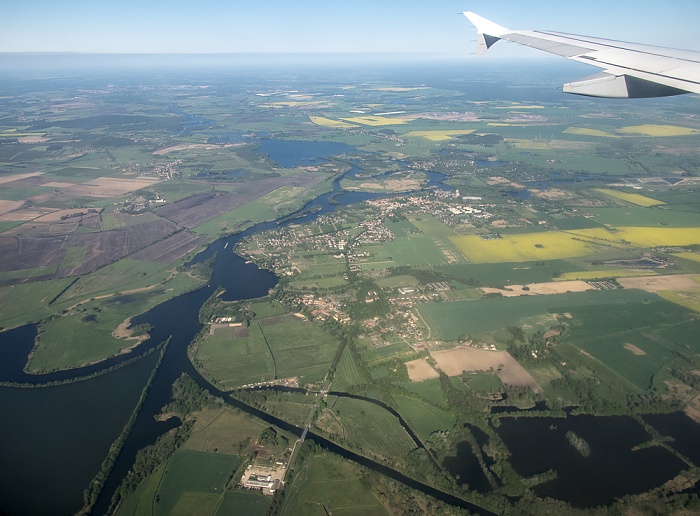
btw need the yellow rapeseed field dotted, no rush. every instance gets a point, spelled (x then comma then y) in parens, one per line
(658, 130)
(590, 132)
(643, 236)
(688, 299)
(612, 273)
(375, 120)
(439, 136)
(551, 245)
(637, 199)
(327, 122)
(688, 256)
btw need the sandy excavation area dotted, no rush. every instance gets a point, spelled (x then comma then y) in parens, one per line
(464, 358)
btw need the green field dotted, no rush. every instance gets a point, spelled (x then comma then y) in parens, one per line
(223, 431)
(666, 216)
(377, 355)
(449, 321)
(372, 430)
(264, 309)
(429, 390)
(70, 341)
(413, 250)
(194, 482)
(73, 258)
(320, 283)
(140, 502)
(627, 333)
(423, 418)
(26, 302)
(123, 276)
(623, 309)
(241, 502)
(429, 225)
(327, 481)
(34, 273)
(84, 334)
(483, 382)
(347, 372)
(500, 274)
(237, 361)
(298, 347)
(397, 281)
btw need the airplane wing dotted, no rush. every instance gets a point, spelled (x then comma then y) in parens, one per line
(630, 70)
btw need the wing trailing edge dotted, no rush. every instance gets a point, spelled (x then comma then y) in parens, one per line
(630, 70)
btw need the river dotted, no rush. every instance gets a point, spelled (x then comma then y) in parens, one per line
(93, 411)
(55, 437)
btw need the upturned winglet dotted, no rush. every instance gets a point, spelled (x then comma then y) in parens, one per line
(488, 32)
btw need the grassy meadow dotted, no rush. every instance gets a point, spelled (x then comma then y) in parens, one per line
(280, 346)
(371, 430)
(194, 482)
(326, 484)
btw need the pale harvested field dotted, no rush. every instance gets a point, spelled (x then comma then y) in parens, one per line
(388, 185)
(9, 206)
(419, 370)
(106, 187)
(32, 139)
(552, 193)
(661, 283)
(55, 216)
(57, 184)
(190, 146)
(633, 349)
(451, 116)
(462, 358)
(25, 214)
(553, 287)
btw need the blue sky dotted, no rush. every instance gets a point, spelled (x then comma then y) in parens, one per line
(357, 26)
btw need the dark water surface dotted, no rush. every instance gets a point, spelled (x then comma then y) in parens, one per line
(298, 153)
(465, 467)
(55, 438)
(684, 431)
(612, 470)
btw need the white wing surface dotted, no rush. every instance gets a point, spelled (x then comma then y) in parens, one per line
(630, 70)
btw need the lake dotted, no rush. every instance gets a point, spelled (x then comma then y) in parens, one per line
(611, 470)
